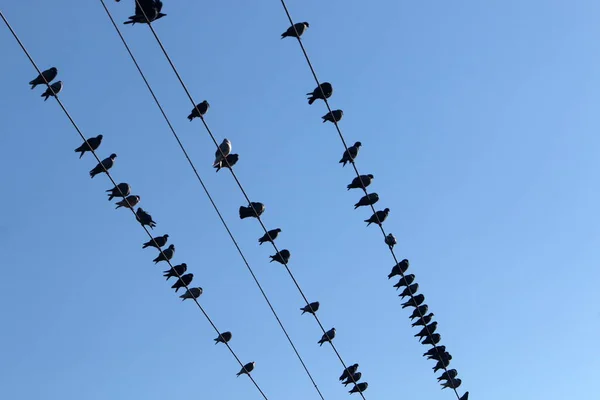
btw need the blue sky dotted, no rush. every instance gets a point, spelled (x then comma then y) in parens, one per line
(479, 122)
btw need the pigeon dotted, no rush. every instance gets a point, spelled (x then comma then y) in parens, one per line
(440, 355)
(323, 91)
(423, 321)
(414, 301)
(356, 182)
(283, 257)
(349, 371)
(421, 310)
(103, 166)
(223, 337)
(151, 8)
(144, 218)
(199, 110)
(49, 74)
(359, 387)
(229, 162)
(121, 190)
(132, 200)
(399, 268)
(427, 330)
(175, 271)
(410, 290)
(192, 293)
(94, 143)
(246, 212)
(441, 364)
(300, 27)
(450, 374)
(157, 242)
(246, 369)
(183, 282)
(269, 236)
(53, 90)
(378, 217)
(333, 116)
(464, 396)
(327, 336)
(407, 280)
(350, 154)
(433, 351)
(390, 240)
(353, 379)
(367, 200)
(433, 339)
(225, 148)
(452, 383)
(165, 255)
(310, 308)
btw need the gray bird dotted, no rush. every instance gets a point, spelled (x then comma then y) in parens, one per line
(246, 212)
(246, 369)
(450, 374)
(156, 242)
(225, 149)
(283, 257)
(229, 162)
(165, 255)
(152, 10)
(327, 336)
(350, 154)
(323, 91)
(409, 290)
(414, 301)
(433, 339)
(223, 337)
(333, 116)
(441, 364)
(192, 293)
(103, 166)
(184, 281)
(452, 383)
(378, 217)
(269, 236)
(356, 182)
(427, 330)
(390, 240)
(310, 308)
(176, 271)
(464, 396)
(359, 387)
(199, 110)
(421, 310)
(121, 190)
(94, 143)
(133, 201)
(407, 280)
(49, 74)
(354, 378)
(399, 269)
(349, 371)
(53, 90)
(300, 28)
(367, 200)
(423, 321)
(144, 218)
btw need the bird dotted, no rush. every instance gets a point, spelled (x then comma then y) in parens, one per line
(53, 90)
(246, 212)
(367, 200)
(350, 154)
(300, 28)
(199, 110)
(414, 301)
(151, 8)
(223, 151)
(441, 364)
(409, 290)
(427, 330)
(144, 218)
(464, 396)
(378, 217)
(223, 337)
(175, 271)
(356, 182)
(156, 242)
(407, 280)
(323, 91)
(246, 369)
(310, 308)
(433, 339)
(421, 310)
(433, 351)
(165, 255)
(49, 74)
(183, 281)
(452, 383)
(121, 190)
(359, 387)
(327, 336)
(423, 321)
(94, 143)
(103, 166)
(129, 201)
(282, 257)
(349, 371)
(440, 355)
(269, 236)
(354, 378)
(229, 162)
(399, 269)
(450, 374)
(192, 293)
(390, 240)
(333, 116)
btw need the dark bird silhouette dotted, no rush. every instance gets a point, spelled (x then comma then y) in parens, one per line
(441, 364)
(152, 10)
(144, 218)
(165, 255)
(192, 293)
(310, 308)
(390, 240)
(175, 271)
(222, 152)
(359, 387)
(407, 280)
(433, 351)
(414, 301)
(427, 330)
(156, 242)
(421, 310)
(300, 28)
(107, 163)
(367, 200)
(452, 383)
(229, 162)
(129, 201)
(333, 116)
(327, 336)
(423, 321)
(349, 371)
(354, 378)
(53, 90)
(49, 74)
(94, 143)
(433, 339)
(283, 257)
(269, 236)
(184, 281)
(199, 110)
(246, 369)
(121, 190)
(246, 212)
(399, 268)
(223, 337)
(464, 396)
(412, 289)
(450, 374)
(350, 154)
(440, 355)
(323, 91)
(378, 217)
(356, 182)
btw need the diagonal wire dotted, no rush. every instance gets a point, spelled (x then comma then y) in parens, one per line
(123, 195)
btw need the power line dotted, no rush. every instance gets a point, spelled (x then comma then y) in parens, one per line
(123, 195)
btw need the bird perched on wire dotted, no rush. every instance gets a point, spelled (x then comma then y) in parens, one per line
(228, 162)
(295, 30)
(421, 310)
(192, 293)
(440, 355)
(464, 396)
(53, 90)
(323, 91)
(246, 369)
(452, 383)
(390, 240)
(310, 308)
(184, 281)
(129, 201)
(350, 154)
(283, 257)
(443, 363)
(359, 387)
(223, 337)
(433, 339)
(94, 143)
(152, 9)
(349, 371)
(378, 217)
(333, 116)
(427, 330)
(327, 336)
(165, 255)
(433, 351)
(246, 212)
(399, 269)
(356, 182)
(199, 110)
(414, 301)
(176, 271)
(144, 218)
(354, 378)
(222, 152)
(424, 321)
(409, 290)
(103, 166)
(407, 280)
(49, 74)
(121, 190)
(156, 242)
(269, 236)
(367, 200)
(450, 374)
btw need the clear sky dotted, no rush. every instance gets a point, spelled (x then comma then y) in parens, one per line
(479, 120)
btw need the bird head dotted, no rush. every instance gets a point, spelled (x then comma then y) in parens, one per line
(113, 156)
(99, 137)
(160, 15)
(278, 230)
(54, 70)
(166, 236)
(387, 210)
(370, 176)
(184, 265)
(305, 24)
(172, 247)
(358, 144)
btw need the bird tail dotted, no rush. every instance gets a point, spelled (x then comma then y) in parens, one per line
(191, 117)
(145, 245)
(216, 341)
(311, 100)
(368, 222)
(33, 85)
(128, 22)
(356, 206)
